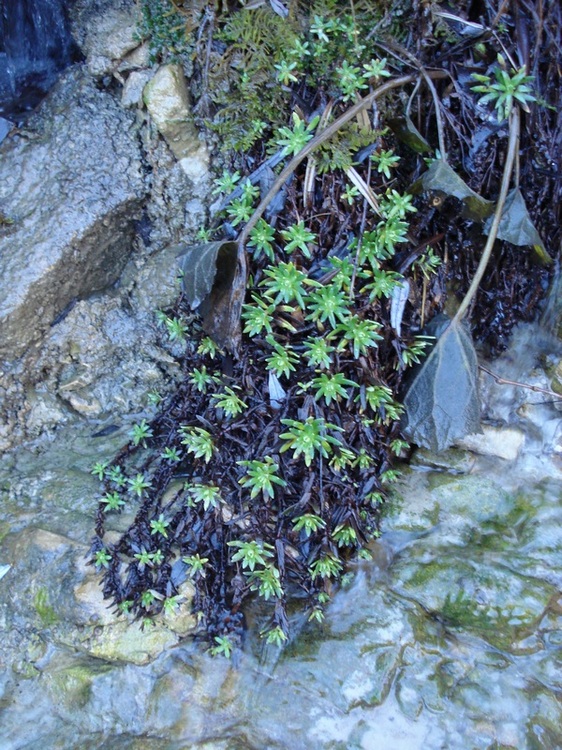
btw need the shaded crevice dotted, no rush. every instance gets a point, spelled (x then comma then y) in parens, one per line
(35, 46)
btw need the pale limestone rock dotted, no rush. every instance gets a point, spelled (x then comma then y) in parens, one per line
(128, 641)
(115, 638)
(138, 58)
(503, 442)
(84, 403)
(43, 410)
(196, 167)
(167, 99)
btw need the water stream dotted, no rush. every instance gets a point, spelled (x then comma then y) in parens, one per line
(451, 637)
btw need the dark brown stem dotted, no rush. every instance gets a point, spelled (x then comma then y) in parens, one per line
(486, 253)
(536, 388)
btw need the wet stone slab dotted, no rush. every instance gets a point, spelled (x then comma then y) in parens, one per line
(450, 637)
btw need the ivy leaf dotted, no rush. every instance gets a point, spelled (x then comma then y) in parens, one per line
(516, 226)
(442, 403)
(442, 178)
(214, 281)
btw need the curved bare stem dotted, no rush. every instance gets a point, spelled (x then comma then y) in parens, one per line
(321, 138)
(438, 118)
(507, 171)
(537, 389)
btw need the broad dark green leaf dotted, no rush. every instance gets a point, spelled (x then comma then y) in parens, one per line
(516, 226)
(442, 178)
(405, 130)
(442, 403)
(214, 281)
(198, 265)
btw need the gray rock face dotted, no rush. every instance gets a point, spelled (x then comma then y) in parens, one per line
(110, 39)
(105, 31)
(72, 189)
(73, 343)
(104, 356)
(93, 199)
(45, 527)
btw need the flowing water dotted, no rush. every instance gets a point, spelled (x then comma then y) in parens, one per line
(451, 637)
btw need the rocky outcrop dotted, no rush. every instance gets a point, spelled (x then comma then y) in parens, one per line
(106, 31)
(72, 189)
(95, 192)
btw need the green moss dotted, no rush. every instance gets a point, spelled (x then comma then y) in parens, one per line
(165, 28)
(460, 610)
(424, 574)
(4, 529)
(72, 686)
(510, 530)
(43, 608)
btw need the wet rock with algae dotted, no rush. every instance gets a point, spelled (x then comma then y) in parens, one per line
(47, 504)
(450, 637)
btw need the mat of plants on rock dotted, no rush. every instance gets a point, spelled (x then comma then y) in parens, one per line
(361, 152)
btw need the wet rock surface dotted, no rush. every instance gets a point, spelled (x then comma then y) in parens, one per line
(50, 597)
(450, 637)
(94, 202)
(35, 45)
(80, 180)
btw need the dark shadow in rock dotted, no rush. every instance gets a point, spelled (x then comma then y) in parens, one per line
(35, 46)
